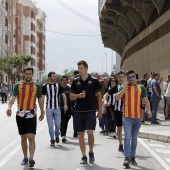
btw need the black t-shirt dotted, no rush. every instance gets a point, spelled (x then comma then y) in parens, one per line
(66, 90)
(91, 86)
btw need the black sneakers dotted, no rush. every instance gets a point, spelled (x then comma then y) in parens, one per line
(31, 163)
(126, 163)
(83, 160)
(121, 148)
(133, 161)
(91, 157)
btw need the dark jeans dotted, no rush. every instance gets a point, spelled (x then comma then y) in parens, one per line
(111, 119)
(4, 97)
(65, 117)
(155, 104)
(103, 122)
(149, 98)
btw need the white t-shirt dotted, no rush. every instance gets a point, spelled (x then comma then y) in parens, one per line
(167, 94)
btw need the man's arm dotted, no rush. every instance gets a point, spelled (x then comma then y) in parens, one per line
(41, 105)
(99, 95)
(105, 98)
(74, 96)
(156, 91)
(10, 103)
(120, 94)
(65, 101)
(147, 104)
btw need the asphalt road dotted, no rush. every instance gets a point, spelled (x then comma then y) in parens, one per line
(151, 155)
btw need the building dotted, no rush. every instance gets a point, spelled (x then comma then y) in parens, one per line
(139, 31)
(22, 32)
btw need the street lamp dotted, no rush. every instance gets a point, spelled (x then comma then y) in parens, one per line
(102, 65)
(106, 61)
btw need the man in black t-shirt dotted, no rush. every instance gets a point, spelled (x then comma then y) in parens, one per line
(65, 116)
(84, 90)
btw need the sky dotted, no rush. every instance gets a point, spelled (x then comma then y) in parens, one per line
(63, 51)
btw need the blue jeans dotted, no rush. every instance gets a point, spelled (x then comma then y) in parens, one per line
(53, 118)
(155, 104)
(131, 130)
(103, 122)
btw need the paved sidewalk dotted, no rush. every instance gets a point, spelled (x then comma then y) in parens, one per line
(157, 132)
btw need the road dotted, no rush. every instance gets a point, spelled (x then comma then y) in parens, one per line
(151, 155)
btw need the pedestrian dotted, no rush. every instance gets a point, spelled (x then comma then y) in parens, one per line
(26, 92)
(110, 107)
(166, 94)
(155, 96)
(4, 91)
(52, 91)
(11, 88)
(65, 115)
(132, 94)
(84, 90)
(118, 107)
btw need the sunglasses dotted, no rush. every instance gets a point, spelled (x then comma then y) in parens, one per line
(131, 77)
(113, 80)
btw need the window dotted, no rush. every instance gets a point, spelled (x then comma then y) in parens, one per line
(6, 22)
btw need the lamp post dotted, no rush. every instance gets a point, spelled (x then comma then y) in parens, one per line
(102, 65)
(106, 61)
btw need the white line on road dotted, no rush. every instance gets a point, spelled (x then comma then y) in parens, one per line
(162, 151)
(9, 145)
(157, 145)
(14, 151)
(159, 159)
(167, 159)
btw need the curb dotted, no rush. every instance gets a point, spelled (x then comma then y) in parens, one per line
(156, 137)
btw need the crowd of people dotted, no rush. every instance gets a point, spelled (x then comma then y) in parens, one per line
(121, 102)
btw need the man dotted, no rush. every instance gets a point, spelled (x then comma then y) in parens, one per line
(132, 94)
(26, 92)
(166, 94)
(11, 87)
(65, 116)
(149, 88)
(4, 91)
(118, 107)
(84, 90)
(155, 96)
(145, 80)
(52, 90)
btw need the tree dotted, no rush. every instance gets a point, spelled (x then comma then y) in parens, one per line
(13, 65)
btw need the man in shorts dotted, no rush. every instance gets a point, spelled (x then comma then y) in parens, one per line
(26, 92)
(84, 90)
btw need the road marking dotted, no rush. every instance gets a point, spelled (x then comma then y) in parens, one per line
(162, 151)
(14, 151)
(159, 159)
(9, 145)
(157, 145)
(167, 159)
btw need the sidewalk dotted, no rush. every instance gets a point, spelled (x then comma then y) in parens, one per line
(156, 132)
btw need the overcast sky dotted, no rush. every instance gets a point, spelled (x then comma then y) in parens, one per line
(63, 51)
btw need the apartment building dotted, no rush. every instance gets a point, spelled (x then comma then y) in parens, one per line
(22, 32)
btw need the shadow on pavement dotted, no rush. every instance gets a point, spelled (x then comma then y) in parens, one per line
(96, 167)
(61, 147)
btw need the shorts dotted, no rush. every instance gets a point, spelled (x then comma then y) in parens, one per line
(118, 118)
(167, 102)
(85, 121)
(26, 126)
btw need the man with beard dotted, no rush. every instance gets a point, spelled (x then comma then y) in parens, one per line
(53, 113)
(132, 94)
(26, 92)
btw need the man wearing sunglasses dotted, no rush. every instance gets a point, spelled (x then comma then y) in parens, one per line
(132, 94)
